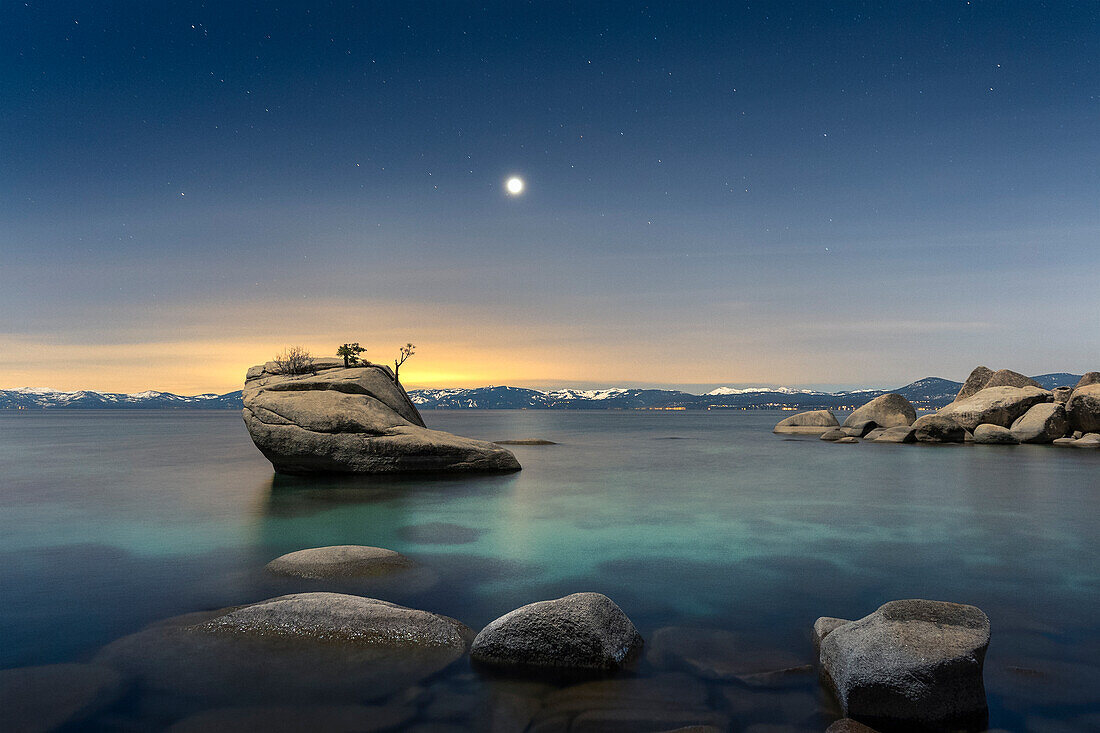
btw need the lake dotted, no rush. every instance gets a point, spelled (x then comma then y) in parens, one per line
(113, 520)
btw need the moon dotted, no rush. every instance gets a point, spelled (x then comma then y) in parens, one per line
(514, 185)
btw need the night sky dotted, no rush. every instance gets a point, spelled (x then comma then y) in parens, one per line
(716, 193)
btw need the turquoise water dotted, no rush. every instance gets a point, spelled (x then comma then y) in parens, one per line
(110, 521)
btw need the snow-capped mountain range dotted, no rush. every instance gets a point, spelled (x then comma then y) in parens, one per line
(927, 393)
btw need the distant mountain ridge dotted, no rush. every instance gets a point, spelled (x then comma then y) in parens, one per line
(928, 393)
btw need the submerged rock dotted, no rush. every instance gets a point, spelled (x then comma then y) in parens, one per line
(995, 406)
(579, 631)
(295, 649)
(1041, 424)
(1083, 408)
(524, 441)
(911, 662)
(716, 654)
(813, 422)
(846, 439)
(937, 429)
(339, 561)
(296, 719)
(888, 411)
(45, 698)
(994, 435)
(356, 419)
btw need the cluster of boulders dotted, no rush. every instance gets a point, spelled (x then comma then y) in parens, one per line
(353, 419)
(295, 661)
(1002, 407)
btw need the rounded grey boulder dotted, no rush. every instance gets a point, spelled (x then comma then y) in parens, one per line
(579, 631)
(995, 406)
(834, 434)
(937, 429)
(911, 662)
(1041, 424)
(813, 422)
(339, 561)
(974, 383)
(887, 411)
(1009, 378)
(899, 434)
(357, 419)
(1083, 408)
(354, 648)
(994, 435)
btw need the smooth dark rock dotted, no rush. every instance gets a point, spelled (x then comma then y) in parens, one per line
(813, 422)
(1041, 424)
(994, 435)
(296, 719)
(823, 627)
(911, 662)
(47, 697)
(716, 654)
(937, 429)
(353, 420)
(1083, 408)
(339, 561)
(995, 406)
(579, 631)
(888, 411)
(847, 725)
(354, 648)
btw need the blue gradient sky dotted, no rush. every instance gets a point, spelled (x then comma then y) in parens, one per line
(800, 192)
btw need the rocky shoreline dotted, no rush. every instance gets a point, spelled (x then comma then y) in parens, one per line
(336, 661)
(993, 408)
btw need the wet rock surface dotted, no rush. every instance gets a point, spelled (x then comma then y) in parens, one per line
(910, 662)
(339, 561)
(579, 631)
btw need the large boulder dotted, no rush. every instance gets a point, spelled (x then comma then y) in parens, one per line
(974, 383)
(1041, 424)
(1083, 408)
(1088, 378)
(994, 435)
(579, 631)
(1009, 378)
(48, 697)
(910, 663)
(935, 429)
(888, 411)
(354, 648)
(812, 423)
(352, 420)
(995, 406)
(339, 561)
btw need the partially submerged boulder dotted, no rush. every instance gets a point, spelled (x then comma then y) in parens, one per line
(812, 423)
(1041, 424)
(47, 697)
(994, 435)
(911, 662)
(339, 561)
(716, 654)
(834, 434)
(937, 429)
(860, 429)
(579, 631)
(995, 406)
(305, 647)
(887, 411)
(899, 434)
(1088, 440)
(356, 419)
(1083, 408)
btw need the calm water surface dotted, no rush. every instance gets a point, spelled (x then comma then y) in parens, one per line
(110, 521)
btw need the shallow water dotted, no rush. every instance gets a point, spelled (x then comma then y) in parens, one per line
(110, 521)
